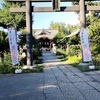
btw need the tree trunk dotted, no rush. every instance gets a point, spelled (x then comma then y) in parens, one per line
(2, 58)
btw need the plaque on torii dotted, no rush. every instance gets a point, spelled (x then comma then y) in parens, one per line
(82, 8)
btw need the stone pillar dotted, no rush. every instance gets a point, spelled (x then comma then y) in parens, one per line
(29, 33)
(82, 14)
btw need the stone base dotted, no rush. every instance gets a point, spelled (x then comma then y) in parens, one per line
(18, 71)
(29, 67)
(84, 64)
(92, 67)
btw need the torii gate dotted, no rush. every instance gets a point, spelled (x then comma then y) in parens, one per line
(55, 7)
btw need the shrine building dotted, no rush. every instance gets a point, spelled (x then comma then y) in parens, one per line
(45, 37)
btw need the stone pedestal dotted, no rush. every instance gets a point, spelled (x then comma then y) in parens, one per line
(84, 64)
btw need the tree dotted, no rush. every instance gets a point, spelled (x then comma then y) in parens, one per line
(94, 34)
(9, 19)
(72, 28)
(4, 44)
(61, 31)
(73, 42)
(12, 19)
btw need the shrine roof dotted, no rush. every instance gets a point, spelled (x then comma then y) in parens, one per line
(45, 33)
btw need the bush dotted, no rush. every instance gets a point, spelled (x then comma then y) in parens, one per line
(96, 59)
(61, 52)
(4, 69)
(85, 68)
(74, 50)
(7, 59)
(7, 66)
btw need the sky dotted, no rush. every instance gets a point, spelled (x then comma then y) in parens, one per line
(43, 19)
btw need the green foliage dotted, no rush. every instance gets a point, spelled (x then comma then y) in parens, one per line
(97, 68)
(74, 45)
(75, 3)
(73, 59)
(12, 19)
(4, 44)
(74, 40)
(96, 59)
(72, 28)
(36, 49)
(85, 68)
(94, 34)
(36, 53)
(6, 67)
(64, 59)
(74, 50)
(39, 68)
(68, 58)
(62, 31)
(7, 59)
(61, 52)
(90, 3)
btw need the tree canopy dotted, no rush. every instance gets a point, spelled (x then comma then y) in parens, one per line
(12, 19)
(62, 31)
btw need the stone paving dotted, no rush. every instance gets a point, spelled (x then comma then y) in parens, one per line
(64, 82)
(59, 81)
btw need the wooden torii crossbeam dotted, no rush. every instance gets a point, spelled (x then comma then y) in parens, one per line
(49, 9)
(29, 9)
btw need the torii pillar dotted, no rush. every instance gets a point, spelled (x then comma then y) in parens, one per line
(82, 14)
(28, 10)
(29, 33)
(82, 17)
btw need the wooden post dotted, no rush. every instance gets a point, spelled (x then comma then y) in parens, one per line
(82, 18)
(29, 33)
(82, 14)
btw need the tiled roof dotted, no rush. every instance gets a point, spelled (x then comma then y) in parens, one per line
(73, 33)
(3, 29)
(49, 33)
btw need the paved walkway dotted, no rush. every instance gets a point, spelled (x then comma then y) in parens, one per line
(58, 82)
(64, 82)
